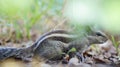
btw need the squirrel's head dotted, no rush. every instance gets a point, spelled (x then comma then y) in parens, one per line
(97, 38)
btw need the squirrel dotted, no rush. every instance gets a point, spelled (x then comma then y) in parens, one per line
(51, 45)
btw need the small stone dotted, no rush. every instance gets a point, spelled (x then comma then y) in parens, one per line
(73, 61)
(45, 65)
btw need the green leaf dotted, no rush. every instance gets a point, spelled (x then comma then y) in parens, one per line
(72, 50)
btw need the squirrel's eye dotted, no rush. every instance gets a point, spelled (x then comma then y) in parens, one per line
(98, 34)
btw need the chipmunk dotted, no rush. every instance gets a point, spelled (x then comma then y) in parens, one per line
(51, 45)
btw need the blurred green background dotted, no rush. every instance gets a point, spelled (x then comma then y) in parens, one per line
(22, 20)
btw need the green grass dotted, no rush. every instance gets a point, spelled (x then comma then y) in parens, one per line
(115, 44)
